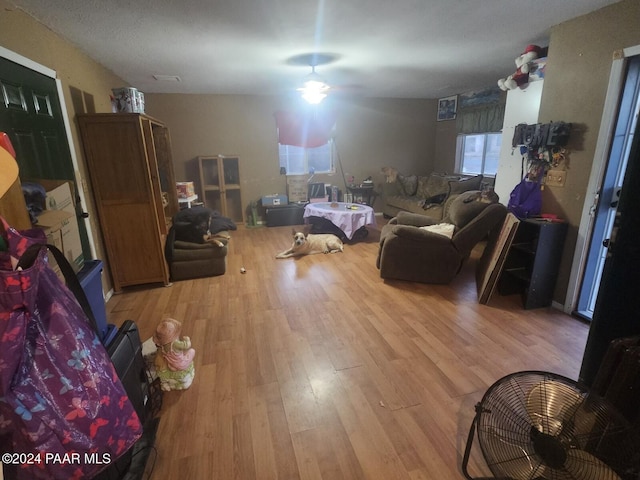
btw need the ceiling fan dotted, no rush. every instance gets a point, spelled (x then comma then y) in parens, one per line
(314, 88)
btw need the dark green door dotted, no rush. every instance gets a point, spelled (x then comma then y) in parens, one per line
(30, 113)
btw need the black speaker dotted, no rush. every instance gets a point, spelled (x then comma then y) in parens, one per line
(126, 354)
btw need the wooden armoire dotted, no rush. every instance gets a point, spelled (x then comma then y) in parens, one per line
(130, 166)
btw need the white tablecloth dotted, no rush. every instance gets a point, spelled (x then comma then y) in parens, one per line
(346, 219)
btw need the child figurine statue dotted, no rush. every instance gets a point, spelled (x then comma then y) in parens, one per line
(174, 357)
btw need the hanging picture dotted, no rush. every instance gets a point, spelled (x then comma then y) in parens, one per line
(447, 108)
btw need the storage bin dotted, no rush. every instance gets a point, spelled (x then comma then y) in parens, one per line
(90, 277)
(275, 199)
(126, 99)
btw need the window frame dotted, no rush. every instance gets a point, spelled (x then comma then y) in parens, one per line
(286, 164)
(460, 139)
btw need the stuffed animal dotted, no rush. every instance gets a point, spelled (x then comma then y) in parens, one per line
(523, 63)
(174, 358)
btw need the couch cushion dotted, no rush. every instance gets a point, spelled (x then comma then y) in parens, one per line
(432, 185)
(465, 184)
(405, 203)
(415, 205)
(409, 184)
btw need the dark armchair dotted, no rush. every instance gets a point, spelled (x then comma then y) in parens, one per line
(188, 260)
(196, 244)
(408, 252)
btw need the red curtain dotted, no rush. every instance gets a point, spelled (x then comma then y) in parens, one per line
(307, 129)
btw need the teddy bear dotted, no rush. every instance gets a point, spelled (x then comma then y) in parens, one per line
(174, 357)
(523, 63)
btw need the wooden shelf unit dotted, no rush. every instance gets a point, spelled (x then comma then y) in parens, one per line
(532, 263)
(130, 167)
(220, 185)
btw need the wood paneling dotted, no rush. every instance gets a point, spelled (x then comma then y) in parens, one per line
(316, 368)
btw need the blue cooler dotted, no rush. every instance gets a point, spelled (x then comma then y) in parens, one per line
(90, 277)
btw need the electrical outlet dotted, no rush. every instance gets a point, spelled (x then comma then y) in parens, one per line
(555, 178)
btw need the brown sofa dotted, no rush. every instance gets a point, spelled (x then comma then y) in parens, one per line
(408, 252)
(428, 195)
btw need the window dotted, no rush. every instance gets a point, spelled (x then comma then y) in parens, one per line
(302, 160)
(478, 153)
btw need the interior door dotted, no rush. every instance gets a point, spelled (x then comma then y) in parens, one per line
(606, 209)
(616, 313)
(30, 114)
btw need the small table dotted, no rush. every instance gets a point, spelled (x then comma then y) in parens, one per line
(348, 217)
(187, 200)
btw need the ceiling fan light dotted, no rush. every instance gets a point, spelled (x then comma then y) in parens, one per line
(318, 85)
(314, 89)
(313, 97)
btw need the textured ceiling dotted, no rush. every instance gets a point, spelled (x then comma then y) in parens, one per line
(406, 48)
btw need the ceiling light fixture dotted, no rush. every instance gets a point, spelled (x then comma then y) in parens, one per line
(314, 89)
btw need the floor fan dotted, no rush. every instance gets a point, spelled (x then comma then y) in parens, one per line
(536, 425)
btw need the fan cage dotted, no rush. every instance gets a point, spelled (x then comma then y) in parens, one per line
(537, 425)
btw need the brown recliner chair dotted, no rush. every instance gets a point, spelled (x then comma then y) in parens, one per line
(188, 260)
(408, 252)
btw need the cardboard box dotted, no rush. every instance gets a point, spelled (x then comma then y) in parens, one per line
(60, 213)
(274, 200)
(60, 198)
(297, 188)
(185, 189)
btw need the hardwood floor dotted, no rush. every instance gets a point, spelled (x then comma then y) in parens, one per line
(316, 368)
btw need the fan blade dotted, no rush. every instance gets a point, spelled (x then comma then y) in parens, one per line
(584, 466)
(549, 403)
(513, 461)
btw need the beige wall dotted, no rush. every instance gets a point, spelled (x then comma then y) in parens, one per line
(86, 84)
(445, 154)
(579, 62)
(370, 134)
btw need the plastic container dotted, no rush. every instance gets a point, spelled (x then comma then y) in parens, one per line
(90, 277)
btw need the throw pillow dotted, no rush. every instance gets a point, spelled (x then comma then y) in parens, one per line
(465, 184)
(409, 184)
(445, 229)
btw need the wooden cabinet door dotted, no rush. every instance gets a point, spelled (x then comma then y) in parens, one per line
(124, 177)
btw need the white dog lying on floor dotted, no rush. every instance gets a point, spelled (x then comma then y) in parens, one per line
(308, 244)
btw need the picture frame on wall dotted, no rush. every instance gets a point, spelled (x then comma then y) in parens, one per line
(447, 108)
